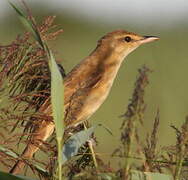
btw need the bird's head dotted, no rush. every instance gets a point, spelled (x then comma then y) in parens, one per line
(124, 42)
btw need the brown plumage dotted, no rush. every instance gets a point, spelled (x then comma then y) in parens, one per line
(87, 85)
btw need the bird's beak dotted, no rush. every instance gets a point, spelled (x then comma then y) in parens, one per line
(147, 39)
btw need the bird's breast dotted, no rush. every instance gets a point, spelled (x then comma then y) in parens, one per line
(97, 94)
(92, 88)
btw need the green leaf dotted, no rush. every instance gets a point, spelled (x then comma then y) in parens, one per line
(24, 177)
(8, 152)
(57, 88)
(73, 144)
(108, 176)
(57, 99)
(28, 24)
(106, 128)
(57, 96)
(7, 176)
(138, 175)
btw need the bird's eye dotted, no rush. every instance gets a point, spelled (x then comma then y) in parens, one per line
(127, 39)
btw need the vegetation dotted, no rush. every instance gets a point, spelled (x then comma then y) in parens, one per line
(26, 81)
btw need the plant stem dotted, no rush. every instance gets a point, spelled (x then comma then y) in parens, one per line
(59, 146)
(93, 154)
(129, 145)
(92, 150)
(179, 163)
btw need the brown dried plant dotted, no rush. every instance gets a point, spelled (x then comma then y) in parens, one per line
(177, 155)
(152, 156)
(24, 86)
(133, 115)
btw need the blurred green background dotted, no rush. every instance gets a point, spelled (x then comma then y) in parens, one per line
(86, 22)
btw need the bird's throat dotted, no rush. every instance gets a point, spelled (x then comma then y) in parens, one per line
(107, 62)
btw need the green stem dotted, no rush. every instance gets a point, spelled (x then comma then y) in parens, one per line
(59, 146)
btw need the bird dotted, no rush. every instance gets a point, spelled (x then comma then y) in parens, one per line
(86, 86)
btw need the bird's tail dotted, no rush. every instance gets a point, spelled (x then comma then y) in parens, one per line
(27, 154)
(42, 133)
